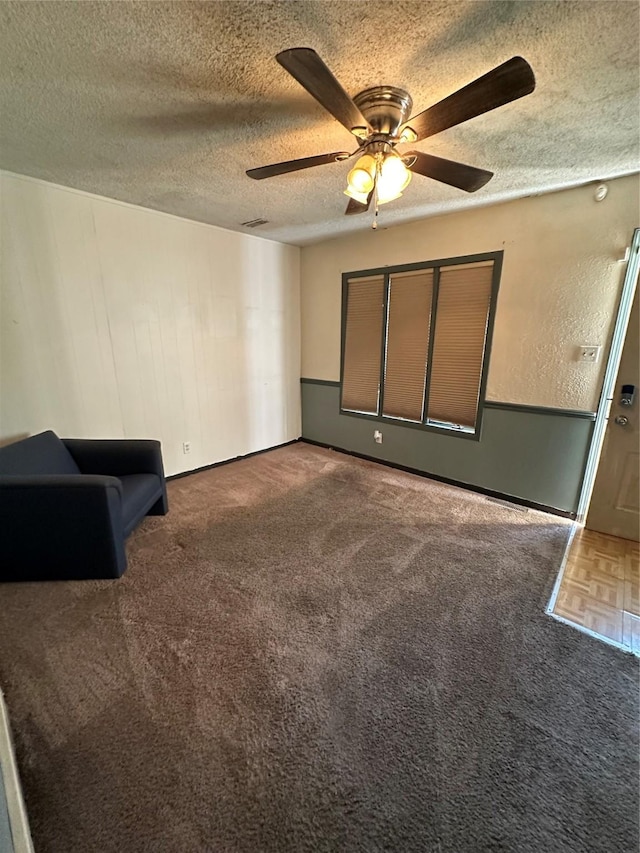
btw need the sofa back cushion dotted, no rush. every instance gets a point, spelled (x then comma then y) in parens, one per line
(41, 454)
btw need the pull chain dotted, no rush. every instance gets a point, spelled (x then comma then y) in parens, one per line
(374, 225)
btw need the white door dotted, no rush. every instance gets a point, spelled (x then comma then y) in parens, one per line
(615, 502)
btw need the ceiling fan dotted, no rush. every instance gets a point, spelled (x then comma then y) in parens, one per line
(378, 118)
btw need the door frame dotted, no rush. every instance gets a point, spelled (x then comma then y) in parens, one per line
(610, 376)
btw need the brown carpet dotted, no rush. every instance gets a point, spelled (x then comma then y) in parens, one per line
(315, 653)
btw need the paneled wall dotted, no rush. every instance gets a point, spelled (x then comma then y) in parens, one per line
(118, 321)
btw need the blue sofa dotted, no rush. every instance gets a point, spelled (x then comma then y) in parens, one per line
(67, 505)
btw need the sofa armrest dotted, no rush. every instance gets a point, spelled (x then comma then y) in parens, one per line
(53, 483)
(61, 526)
(116, 457)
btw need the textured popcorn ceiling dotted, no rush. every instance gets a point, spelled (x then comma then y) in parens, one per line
(166, 104)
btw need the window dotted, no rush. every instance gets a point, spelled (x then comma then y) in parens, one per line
(415, 341)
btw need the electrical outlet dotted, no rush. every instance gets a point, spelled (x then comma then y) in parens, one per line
(186, 447)
(590, 354)
(377, 436)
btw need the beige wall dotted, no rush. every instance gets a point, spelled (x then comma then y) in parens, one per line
(559, 289)
(117, 321)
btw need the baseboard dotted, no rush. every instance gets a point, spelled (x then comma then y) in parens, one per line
(232, 459)
(18, 822)
(450, 482)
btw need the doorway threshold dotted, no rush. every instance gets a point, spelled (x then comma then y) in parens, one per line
(597, 589)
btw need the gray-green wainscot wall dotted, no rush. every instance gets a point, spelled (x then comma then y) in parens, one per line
(535, 455)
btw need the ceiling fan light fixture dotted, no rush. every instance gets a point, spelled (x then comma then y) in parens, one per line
(363, 175)
(393, 178)
(383, 199)
(356, 196)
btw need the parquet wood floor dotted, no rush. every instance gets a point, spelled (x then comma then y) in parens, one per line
(600, 587)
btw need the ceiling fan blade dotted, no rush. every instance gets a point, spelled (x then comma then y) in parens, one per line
(295, 165)
(357, 206)
(459, 175)
(512, 80)
(309, 70)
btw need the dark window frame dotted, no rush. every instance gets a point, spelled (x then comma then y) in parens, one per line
(435, 265)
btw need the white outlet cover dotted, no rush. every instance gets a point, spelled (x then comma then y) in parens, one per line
(590, 354)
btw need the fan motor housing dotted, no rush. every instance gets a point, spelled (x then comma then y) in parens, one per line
(386, 108)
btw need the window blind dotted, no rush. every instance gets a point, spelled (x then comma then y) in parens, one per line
(464, 297)
(363, 344)
(407, 344)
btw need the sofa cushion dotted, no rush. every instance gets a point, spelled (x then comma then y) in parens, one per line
(139, 493)
(41, 454)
